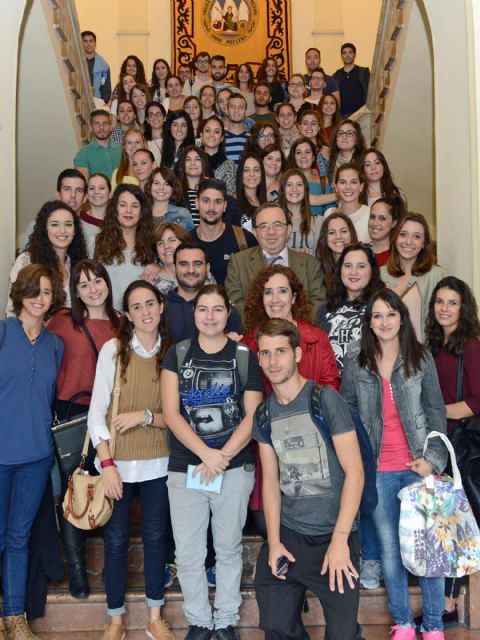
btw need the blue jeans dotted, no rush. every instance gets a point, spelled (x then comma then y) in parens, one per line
(386, 518)
(369, 544)
(21, 490)
(154, 504)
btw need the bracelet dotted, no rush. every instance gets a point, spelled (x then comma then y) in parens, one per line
(108, 462)
(342, 533)
(148, 415)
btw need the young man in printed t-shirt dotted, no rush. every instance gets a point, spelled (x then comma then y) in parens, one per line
(311, 495)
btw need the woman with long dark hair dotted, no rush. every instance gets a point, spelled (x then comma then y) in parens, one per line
(379, 180)
(356, 278)
(30, 357)
(274, 165)
(335, 234)
(384, 216)
(251, 187)
(158, 82)
(155, 115)
(453, 337)
(163, 192)
(347, 145)
(191, 169)
(56, 241)
(177, 134)
(140, 457)
(390, 380)
(212, 136)
(329, 111)
(123, 245)
(294, 197)
(268, 72)
(83, 329)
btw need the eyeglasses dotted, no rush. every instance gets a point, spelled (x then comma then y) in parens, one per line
(266, 226)
(202, 61)
(266, 136)
(296, 85)
(346, 134)
(156, 114)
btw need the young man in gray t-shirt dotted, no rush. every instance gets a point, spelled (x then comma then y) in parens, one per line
(311, 494)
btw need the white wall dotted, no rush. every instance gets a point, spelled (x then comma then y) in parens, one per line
(46, 137)
(407, 130)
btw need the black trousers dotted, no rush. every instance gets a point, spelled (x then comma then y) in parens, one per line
(280, 601)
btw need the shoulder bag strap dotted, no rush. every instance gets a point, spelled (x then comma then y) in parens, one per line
(460, 378)
(116, 398)
(90, 339)
(240, 237)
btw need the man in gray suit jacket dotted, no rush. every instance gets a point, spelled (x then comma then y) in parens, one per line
(272, 227)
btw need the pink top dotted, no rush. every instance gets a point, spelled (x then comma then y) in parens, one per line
(395, 452)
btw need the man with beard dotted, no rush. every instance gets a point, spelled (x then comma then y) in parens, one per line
(218, 71)
(221, 240)
(262, 95)
(101, 155)
(191, 270)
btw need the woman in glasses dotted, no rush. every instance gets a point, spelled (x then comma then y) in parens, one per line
(348, 145)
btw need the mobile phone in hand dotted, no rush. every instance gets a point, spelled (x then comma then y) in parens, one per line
(282, 566)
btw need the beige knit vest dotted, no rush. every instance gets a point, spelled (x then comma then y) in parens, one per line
(140, 391)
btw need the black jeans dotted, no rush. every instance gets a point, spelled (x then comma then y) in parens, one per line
(280, 601)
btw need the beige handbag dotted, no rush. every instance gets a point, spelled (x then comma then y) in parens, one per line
(85, 504)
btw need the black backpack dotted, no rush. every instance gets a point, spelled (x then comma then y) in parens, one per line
(369, 496)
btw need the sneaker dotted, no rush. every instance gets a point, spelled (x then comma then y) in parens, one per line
(169, 575)
(450, 619)
(370, 574)
(433, 635)
(403, 632)
(198, 633)
(159, 630)
(212, 576)
(114, 632)
(228, 633)
(17, 628)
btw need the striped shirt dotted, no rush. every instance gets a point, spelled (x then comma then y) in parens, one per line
(234, 145)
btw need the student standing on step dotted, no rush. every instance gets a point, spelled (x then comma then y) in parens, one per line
(211, 428)
(30, 358)
(141, 452)
(311, 495)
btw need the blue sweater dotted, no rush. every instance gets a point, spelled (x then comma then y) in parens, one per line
(27, 388)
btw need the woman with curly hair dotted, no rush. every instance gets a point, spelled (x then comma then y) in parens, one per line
(251, 187)
(335, 234)
(262, 134)
(268, 72)
(132, 66)
(177, 134)
(141, 451)
(379, 181)
(356, 278)
(158, 82)
(453, 337)
(56, 241)
(123, 245)
(411, 270)
(294, 194)
(347, 145)
(277, 292)
(30, 358)
(212, 136)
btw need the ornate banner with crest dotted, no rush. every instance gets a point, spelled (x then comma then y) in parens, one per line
(241, 30)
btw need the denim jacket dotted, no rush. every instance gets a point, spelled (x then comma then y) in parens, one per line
(418, 399)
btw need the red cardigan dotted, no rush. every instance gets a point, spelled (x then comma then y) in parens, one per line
(318, 363)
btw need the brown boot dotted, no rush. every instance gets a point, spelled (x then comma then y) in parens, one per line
(18, 629)
(114, 632)
(159, 630)
(3, 630)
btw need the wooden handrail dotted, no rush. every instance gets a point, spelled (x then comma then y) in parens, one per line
(66, 26)
(390, 26)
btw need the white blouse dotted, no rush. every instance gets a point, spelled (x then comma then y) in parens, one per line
(129, 470)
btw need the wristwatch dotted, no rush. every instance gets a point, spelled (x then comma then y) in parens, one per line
(148, 415)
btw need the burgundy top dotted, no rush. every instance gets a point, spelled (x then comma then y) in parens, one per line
(86, 217)
(447, 368)
(77, 372)
(382, 257)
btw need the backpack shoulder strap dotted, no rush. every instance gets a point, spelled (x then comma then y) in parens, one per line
(262, 416)
(317, 414)
(240, 237)
(181, 349)
(242, 355)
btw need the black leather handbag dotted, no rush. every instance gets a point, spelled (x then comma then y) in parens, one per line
(69, 433)
(466, 443)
